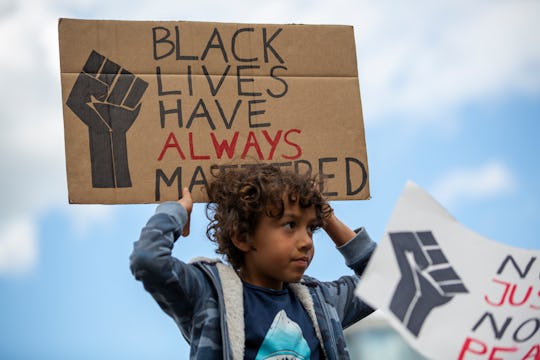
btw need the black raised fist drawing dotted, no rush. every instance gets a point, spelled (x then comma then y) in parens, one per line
(427, 279)
(107, 98)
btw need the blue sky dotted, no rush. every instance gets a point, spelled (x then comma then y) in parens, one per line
(451, 99)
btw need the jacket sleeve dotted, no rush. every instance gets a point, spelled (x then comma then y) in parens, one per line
(358, 251)
(340, 293)
(171, 282)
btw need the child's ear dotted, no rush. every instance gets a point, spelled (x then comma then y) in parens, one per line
(241, 242)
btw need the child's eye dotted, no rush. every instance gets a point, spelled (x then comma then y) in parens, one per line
(312, 229)
(290, 225)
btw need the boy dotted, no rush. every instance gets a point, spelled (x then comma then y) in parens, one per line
(259, 305)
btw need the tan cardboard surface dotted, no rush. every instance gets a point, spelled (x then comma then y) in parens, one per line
(150, 107)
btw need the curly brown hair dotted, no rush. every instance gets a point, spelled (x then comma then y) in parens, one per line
(239, 197)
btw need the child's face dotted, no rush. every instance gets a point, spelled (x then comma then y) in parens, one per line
(281, 249)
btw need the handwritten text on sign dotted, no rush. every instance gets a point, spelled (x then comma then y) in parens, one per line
(451, 293)
(151, 107)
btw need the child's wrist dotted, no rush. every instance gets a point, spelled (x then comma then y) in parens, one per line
(338, 231)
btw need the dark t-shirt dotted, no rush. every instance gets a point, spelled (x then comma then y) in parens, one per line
(277, 326)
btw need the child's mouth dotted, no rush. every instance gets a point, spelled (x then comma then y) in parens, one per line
(302, 261)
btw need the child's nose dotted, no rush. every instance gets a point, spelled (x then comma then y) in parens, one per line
(306, 240)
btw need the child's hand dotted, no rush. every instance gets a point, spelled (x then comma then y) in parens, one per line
(187, 202)
(338, 231)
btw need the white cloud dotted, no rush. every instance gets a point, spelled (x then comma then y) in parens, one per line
(489, 180)
(31, 133)
(18, 247)
(423, 59)
(84, 217)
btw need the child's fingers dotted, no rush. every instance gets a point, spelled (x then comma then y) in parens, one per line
(185, 231)
(186, 194)
(186, 201)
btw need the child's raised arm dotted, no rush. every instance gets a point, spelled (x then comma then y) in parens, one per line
(355, 246)
(338, 231)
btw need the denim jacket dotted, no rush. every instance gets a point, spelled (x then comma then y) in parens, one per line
(205, 297)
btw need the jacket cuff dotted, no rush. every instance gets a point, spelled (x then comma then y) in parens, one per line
(174, 209)
(357, 248)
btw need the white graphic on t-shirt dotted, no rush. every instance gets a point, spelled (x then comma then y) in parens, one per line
(284, 341)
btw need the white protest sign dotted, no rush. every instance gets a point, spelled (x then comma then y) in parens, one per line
(451, 293)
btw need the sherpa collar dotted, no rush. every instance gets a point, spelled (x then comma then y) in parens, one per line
(232, 290)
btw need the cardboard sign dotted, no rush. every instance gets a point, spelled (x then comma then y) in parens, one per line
(151, 107)
(450, 292)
